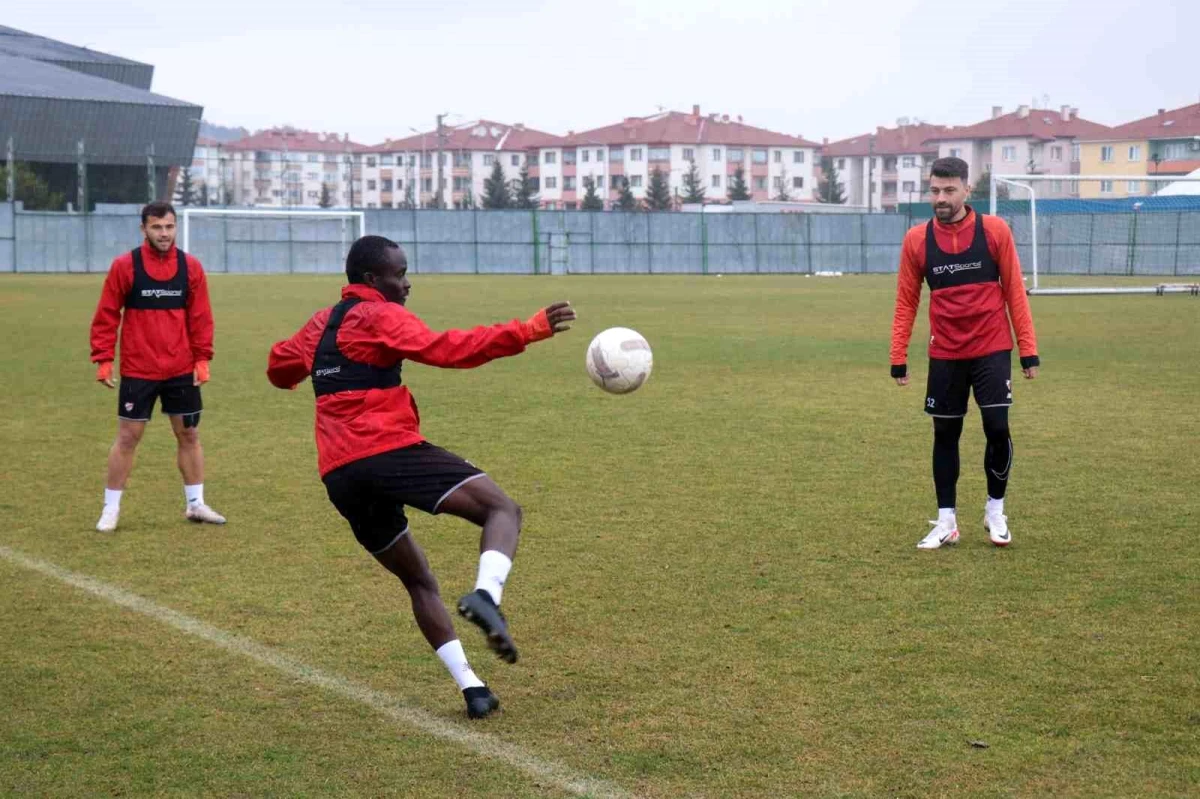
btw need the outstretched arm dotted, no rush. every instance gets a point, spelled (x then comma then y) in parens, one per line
(908, 299)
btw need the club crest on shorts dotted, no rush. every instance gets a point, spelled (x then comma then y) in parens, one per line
(128, 406)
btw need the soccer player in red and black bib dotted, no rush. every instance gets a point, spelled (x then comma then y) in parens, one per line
(157, 297)
(371, 454)
(970, 262)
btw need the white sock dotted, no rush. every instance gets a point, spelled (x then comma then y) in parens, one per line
(947, 515)
(994, 506)
(493, 571)
(194, 494)
(455, 659)
(112, 498)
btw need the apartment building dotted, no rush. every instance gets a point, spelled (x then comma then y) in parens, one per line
(402, 173)
(671, 142)
(1167, 143)
(1037, 141)
(290, 168)
(880, 170)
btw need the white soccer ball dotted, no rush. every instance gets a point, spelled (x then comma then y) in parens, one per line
(619, 360)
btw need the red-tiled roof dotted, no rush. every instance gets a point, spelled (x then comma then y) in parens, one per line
(1179, 123)
(1040, 123)
(888, 141)
(295, 140)
(480, 135)
(674, 127)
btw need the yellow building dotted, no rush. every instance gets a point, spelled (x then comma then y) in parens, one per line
(1115, 156)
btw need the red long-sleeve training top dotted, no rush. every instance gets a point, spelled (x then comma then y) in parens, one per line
(352, 425)
(965, 321)
(160, 344)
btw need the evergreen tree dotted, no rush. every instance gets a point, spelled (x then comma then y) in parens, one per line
(524, 193)
(326, 200)
(186, 193)
(496, 192)
(591, 200)
(737, 186)
(658, 193)
(693, 186)
(783, 195)
(202, 197)
(228, 198)
(830, 188)
(30, 189)
(982, 190)
(410, 195)
(625, 199)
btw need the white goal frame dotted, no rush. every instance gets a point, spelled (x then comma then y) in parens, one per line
(1026, 183)
(203, 210)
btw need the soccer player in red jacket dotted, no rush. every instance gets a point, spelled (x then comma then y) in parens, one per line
(374, 461)
(166, 335)
(970, 262)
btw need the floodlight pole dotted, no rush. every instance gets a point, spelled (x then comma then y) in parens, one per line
(81, 174)
(151, 187)
(10, 180)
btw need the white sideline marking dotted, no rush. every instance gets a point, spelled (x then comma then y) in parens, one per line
(483, 744)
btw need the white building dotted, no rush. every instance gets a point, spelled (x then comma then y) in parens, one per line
(885, 168)
(404, 172)
(289, 168)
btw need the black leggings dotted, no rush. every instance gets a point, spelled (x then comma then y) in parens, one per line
(997, 458)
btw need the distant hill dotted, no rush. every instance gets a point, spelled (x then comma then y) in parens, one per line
(222, 133)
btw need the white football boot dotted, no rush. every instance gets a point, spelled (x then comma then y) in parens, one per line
(202, 513)
(108, 519)
(942, 533)
(997, 526)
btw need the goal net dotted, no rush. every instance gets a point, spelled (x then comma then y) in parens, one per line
(268, 240)
(1104, 234)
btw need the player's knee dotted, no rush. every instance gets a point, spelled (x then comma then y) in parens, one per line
(995, 423)
(512, 509)
(947, 428)
(188, 437)
(128, 438)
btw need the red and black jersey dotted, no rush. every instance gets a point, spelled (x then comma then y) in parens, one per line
(974, 277)
(362, 409)
(157, 305)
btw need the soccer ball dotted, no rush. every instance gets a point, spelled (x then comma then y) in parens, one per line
(619, 360)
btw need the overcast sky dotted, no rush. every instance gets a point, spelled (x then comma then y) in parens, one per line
(817, 68)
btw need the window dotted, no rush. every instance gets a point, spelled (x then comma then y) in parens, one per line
(372, 205)
(798, 157)
(909, 186)
(370, 160)
(370, 185)
(489, 159)
(841, 164)
(760, 184)
(635, 154)
(516, 160)
(549, 158)
(689, 154)
(427, 185)
(312, 195)
(635, 181)
(616, 153)
(1056, 187)
(313, 158)
(716, 155)
(399, 185)
(312, 176)
(569, 183)
(908, 161)
(956, 152)
(614, 181)
(570, 206)
(716, 181)
(426, 160)
(797, 183)
(569, 156)
(1008, 153)
(1135, 152)
(384, 160)
(779, 156)
(1106, 187)
(659, 154)
(462, 159)
(1075, 152)
(735, 154)
(585, 155)
(385, 184)
(552, 183)
(777, 182)
(758, 156)
(1106, 153)
(1134, 187)
(599, 155)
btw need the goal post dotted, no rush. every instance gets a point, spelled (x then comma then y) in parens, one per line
(1144, 227)
(268, 239)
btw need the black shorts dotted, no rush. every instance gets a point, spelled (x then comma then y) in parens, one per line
(371, 493)
(180, 397)
(951, 383)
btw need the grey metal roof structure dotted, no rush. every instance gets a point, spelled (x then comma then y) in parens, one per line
(81, 59)
(48, 109)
